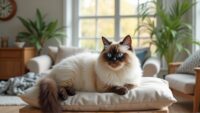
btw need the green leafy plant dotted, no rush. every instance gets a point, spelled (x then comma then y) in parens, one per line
(39, 31)
(172, 33)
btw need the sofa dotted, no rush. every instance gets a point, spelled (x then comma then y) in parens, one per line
(153, 96)
(42, 64)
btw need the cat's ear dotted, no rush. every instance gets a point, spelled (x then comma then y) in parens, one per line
(127, 42)
(106, 42)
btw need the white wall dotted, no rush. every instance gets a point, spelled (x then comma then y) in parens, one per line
(27, 8)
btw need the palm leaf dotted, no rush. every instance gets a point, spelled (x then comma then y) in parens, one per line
(51, 27)
(39, 19)
(26, 24)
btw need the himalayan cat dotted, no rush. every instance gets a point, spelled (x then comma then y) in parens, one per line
(116, 69)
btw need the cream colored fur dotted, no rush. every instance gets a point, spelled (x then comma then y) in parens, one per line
(87, 72)
(78, 70)
(128, 73)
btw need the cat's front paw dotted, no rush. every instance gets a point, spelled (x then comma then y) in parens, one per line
(130, 86)
(62, 94)
(119, 90)
(70, 91)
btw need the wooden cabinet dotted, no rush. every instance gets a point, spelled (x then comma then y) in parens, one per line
(13, 61)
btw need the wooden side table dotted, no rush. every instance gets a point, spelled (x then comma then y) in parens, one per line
(13, 61)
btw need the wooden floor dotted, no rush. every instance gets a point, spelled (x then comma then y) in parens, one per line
(182, 106)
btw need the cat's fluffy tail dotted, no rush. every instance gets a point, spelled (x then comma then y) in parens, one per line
(48, 96)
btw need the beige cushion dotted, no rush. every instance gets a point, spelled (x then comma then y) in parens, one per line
(64, 52)
(153, 93)
(52, 52)
(182, 82)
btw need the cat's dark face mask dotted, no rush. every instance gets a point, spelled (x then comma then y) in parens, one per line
(113, 53)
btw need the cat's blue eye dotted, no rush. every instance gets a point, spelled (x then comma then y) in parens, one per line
(109, 55)
(120, 55)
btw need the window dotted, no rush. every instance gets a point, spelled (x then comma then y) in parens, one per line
(196, 25)
(113, 19)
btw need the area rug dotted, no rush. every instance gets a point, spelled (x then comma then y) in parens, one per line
(11, 101)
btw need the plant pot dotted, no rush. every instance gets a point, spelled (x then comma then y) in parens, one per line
(19, 44)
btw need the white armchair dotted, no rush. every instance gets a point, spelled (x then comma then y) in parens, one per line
(185, 85)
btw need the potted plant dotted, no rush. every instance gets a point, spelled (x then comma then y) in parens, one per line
(39, 31)
(19, 42)
(172, 33)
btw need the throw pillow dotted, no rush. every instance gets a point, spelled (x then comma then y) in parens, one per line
(190, 63)
(52, 52)
(64, 52)
(142, 54)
